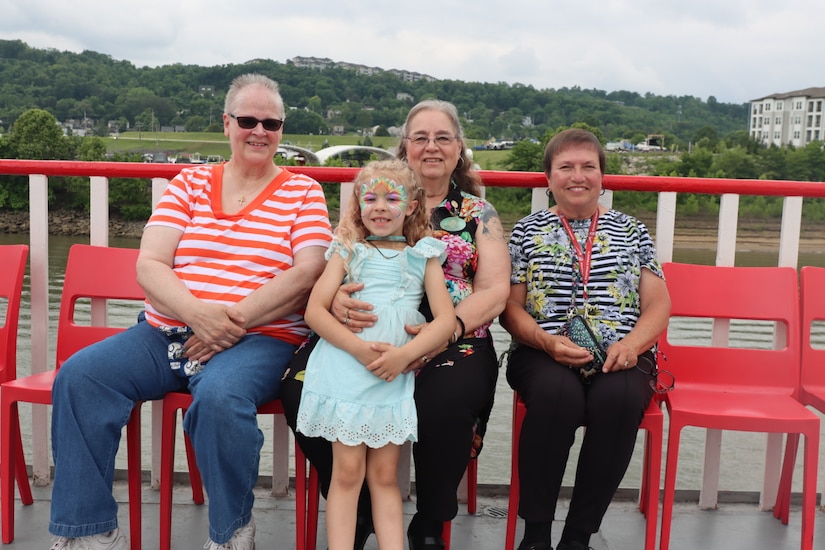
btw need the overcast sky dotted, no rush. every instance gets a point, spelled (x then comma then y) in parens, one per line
(735, 50)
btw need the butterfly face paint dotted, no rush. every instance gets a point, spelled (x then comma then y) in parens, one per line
(383, 192)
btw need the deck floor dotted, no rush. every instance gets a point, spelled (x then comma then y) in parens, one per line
(731, 527)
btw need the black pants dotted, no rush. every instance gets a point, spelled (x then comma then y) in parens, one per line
(611, 406)
(452, 393)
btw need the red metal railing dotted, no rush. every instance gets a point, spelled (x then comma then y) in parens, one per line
(667, 189)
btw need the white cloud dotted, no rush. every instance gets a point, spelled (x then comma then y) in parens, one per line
(735, 50)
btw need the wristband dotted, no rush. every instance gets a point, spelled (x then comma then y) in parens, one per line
(463, 329)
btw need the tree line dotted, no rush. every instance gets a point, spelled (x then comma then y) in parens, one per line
(40, 87)
(92, 85)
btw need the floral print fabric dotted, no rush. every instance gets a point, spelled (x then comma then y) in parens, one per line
(455, 222)
(543, 257)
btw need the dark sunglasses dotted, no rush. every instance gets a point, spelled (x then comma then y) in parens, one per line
(250, 122)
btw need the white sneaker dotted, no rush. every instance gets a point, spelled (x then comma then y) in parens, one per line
(242, 539)
(113, 540)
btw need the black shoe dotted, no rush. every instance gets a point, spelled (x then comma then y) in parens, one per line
(418, 542)
(535, 546)
(574, 545)
(363, 530)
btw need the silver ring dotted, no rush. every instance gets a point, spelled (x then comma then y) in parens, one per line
(425, 360)
(346, 320)
(626, 363)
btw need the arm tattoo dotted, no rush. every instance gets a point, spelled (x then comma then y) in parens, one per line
(491, 223)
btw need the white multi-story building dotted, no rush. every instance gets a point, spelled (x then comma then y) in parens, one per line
(795, 118)
(321, 63)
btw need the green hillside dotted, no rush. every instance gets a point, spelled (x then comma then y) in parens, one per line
(106, 95)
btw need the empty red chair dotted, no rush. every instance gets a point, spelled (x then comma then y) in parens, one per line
(13, 259)
(737, 388)
(812, 374)
(84, 279)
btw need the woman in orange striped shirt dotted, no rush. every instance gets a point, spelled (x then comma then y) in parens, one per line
(227, 261)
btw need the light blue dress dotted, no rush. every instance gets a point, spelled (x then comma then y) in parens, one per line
(342, 400)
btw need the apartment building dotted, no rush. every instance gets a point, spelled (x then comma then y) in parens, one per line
(321, 63)
(796, 118)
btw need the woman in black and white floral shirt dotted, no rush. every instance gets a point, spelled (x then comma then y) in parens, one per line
(579, 262)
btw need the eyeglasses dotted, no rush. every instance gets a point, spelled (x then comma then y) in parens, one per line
(662, 381)
(250, 122)
(422, 141)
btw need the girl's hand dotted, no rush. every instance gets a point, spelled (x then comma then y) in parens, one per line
(390, 364)
(355, 314)
(367, 352)
(418, 362)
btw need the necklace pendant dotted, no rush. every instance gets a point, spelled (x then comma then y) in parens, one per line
(242, 200)
(372, 244)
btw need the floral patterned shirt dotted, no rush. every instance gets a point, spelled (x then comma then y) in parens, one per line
(454, 222)
(544, 258)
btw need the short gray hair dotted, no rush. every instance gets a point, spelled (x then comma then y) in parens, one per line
(252, 79)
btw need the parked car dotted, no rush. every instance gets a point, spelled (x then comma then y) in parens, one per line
(499, 145)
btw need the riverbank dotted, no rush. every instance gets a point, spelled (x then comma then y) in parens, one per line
(68, 223)
(753, 236)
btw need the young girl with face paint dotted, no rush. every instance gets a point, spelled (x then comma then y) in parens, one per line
(356, 393)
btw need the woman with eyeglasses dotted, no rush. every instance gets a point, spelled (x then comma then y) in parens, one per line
(226, 275)
(588, 301)
(455, 383)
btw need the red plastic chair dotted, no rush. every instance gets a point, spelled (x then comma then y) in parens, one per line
(85, 278)
(744, 389)
(652, 423)
(307, 501)
(812, 375)
(13, 259)
(180, 401)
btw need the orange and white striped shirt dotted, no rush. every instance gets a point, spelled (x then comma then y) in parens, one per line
(223, 258)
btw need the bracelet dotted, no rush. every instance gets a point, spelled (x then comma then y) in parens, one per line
(456, 335)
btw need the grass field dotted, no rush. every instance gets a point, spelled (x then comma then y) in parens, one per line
(209, 143)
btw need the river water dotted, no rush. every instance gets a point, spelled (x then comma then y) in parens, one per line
(742, 453)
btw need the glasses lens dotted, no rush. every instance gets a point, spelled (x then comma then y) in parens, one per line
(272, 124)
(664, 382)
(250, 122)
(422, 141)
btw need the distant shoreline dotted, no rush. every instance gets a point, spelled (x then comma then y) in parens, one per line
(68, 223)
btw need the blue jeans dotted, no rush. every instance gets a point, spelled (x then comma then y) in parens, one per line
(93, 396)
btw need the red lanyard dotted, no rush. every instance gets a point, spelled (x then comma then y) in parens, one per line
(586, 256)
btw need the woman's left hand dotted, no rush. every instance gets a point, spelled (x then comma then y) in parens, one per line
(196, 350)
(620, 356)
